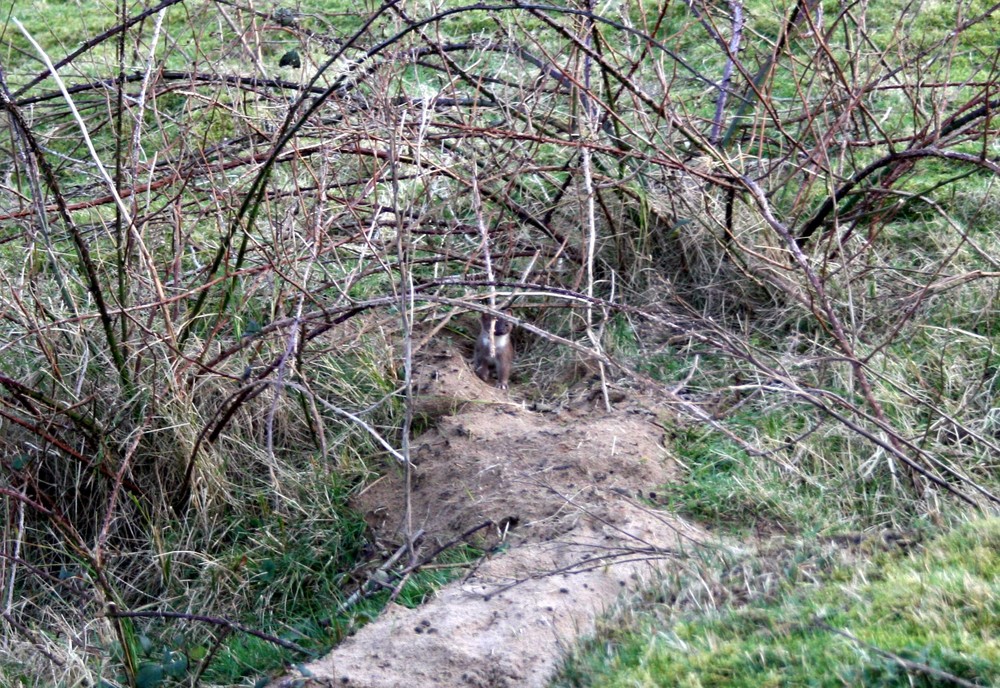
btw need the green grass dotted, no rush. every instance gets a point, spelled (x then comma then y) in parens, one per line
(938, 606)
(716, 490)
(287, 577)
(281, 574)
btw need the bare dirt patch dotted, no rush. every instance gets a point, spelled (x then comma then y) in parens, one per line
(564, 492)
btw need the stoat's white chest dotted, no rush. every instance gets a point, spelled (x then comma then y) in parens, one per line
(499, 340)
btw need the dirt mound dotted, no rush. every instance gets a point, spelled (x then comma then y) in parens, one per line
(563, 489)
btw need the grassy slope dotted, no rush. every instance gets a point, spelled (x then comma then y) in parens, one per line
(814, 613)
(826, 622)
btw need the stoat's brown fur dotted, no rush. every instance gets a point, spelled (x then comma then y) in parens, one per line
(498, 355)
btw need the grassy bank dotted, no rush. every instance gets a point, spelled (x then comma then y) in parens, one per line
(874, 612)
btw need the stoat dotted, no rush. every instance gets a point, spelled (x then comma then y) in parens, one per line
(498, 355)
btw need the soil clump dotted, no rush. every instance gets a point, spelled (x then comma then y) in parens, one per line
(560, 499)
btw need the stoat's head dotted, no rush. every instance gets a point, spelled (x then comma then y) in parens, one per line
(500, 326)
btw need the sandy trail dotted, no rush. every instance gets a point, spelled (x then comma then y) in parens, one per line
(566, 488)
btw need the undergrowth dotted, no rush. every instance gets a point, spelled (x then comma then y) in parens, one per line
(214, 256)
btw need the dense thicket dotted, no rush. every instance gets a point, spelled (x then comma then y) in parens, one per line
(219, 225)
